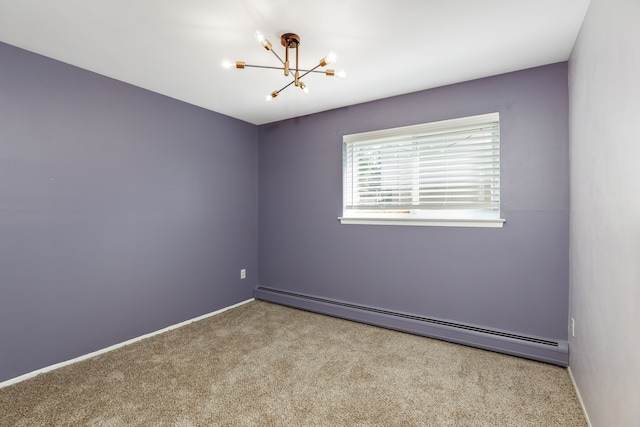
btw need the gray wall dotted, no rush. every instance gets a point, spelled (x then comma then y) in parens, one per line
(121, 211)
(605, 212)
(515, 278)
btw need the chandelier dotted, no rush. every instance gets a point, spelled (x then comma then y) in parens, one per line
(289, 41)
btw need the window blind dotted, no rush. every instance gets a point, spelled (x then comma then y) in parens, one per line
(449, 168)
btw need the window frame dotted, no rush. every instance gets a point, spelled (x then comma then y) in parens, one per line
(456, 218)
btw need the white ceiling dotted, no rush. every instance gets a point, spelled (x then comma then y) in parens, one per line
(387, 47)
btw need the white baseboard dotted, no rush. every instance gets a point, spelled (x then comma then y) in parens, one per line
(115, 346)
(575, 387)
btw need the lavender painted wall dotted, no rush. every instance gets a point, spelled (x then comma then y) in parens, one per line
(121, 211)
(514, 278)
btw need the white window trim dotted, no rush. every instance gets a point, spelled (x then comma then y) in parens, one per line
(422, 221)
(431, 126)
(489, 223)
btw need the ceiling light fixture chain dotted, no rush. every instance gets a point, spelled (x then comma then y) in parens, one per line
(289, 41)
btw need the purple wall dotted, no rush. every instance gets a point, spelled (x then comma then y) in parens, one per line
(121, 211)
(514, 278)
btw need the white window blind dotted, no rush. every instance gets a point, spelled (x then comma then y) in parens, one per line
(443, 170)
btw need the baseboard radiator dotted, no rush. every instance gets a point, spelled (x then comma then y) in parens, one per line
(527, 346)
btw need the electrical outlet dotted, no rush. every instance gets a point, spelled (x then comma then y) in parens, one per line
(243, 273)
(573, 327)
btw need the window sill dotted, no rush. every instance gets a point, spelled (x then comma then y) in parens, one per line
(423, 222)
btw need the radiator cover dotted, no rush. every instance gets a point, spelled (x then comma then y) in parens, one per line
(527, 346)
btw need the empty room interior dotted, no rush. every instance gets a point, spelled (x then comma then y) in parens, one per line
(158, 165)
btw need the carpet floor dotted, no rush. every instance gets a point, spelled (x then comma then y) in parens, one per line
(262, 364)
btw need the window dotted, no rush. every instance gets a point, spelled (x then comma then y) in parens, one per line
(441, 173)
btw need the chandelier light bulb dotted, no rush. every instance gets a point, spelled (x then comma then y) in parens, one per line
(271, 95)
(263, 41)
(304, 88)
(227, 64)
(329, 59)
(341, 73)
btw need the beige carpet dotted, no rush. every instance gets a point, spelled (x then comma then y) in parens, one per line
(266, 365)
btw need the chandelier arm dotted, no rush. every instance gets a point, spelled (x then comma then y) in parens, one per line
(313, 70)
(279, 59)
(264, 67)
(286, 86)
(281, 68)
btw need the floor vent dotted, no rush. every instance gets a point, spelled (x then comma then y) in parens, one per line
(466, 334)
